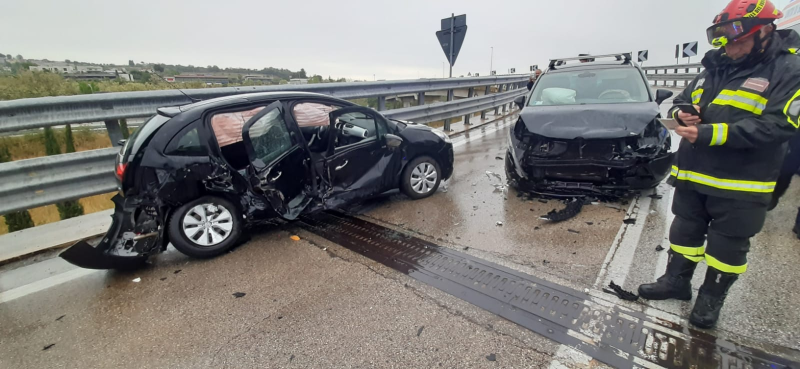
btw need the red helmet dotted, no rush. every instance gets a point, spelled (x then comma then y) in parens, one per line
(741, 18)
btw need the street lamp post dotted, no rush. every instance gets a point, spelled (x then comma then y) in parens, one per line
(491, 61)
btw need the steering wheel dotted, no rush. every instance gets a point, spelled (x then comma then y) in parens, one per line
(622, 94)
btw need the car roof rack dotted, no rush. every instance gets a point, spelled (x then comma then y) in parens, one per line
(624, 57)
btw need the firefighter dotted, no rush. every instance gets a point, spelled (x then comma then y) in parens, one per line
(724, 173)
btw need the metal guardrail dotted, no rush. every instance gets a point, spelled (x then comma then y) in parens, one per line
(41, 112)
(30, 183)
(673, 73)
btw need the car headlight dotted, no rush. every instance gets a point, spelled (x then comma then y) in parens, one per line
(441, 135)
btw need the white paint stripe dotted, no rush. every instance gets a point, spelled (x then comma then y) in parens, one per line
(666, 209)
(478, 133)
(44, 284)
(620, 255)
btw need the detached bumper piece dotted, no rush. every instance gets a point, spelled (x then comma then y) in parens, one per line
(126, 245)
(86, 256)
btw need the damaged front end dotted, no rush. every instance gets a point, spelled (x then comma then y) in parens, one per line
(136, 232)
(601, 167)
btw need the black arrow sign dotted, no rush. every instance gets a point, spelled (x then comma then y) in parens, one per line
(643, 55)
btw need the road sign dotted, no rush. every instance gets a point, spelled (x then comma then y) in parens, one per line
(494, 72)
(643, 55)
(677, 51)
(690, 49)
(477, 74)
(451, 37)
(534, 67)
(512, 71)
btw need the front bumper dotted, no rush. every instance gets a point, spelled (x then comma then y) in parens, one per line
(133, 236)
(585, 176)
(447, 159)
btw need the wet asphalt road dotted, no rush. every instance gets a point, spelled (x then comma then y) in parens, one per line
(312, 303)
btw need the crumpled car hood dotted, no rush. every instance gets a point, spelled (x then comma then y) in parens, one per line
(589, 121)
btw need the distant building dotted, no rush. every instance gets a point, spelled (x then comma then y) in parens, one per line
(207, 79)
(53, 67)
(298, 81)
(259, 78)
(89, 68)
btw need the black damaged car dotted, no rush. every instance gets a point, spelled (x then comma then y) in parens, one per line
(589, 128)
(197, 176)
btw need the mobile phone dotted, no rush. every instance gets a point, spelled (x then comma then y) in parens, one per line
(688, 109)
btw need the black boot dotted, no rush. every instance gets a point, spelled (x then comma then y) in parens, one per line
(711, 298)
(796, 228)
(676, 283)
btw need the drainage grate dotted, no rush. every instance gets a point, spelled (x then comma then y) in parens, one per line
(612, 335)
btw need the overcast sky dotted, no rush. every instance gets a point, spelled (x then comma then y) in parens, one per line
(349, 38)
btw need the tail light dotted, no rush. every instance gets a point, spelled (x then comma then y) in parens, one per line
(120, 170)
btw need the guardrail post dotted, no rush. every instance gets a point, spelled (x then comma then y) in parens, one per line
(421, 98)
(114, 132)
(470, 94)
(497, 108)
(486, 92)
(381, 103)
(450, 97)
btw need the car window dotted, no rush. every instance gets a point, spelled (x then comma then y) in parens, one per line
(270, 137)
(600, 86)
(187, 143)
(228, 126)
(353, 128)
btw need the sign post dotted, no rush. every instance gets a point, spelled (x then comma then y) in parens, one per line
(451, 37)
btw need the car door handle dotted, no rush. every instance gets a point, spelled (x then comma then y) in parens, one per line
(342, 166)
(276, 177)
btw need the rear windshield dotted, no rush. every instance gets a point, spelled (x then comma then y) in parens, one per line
(140, 136)
(581, 87)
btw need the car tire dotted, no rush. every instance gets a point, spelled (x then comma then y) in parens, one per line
(421, 178)
(206, 227)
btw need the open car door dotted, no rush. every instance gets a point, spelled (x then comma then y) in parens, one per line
(358, 162)
(279, 163)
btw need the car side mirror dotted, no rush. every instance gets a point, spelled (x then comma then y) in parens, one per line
(520, 101)
(662, 95)
(393, 141)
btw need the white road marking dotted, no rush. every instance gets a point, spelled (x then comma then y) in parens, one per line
(44, 284)
(620, 255)
(480, 132)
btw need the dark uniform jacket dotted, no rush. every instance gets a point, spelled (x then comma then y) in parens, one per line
(749, 109)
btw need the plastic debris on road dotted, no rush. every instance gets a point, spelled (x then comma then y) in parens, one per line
(619, 292)
(239, 294)
(137, 280)
(295, 238)
(499, 223)
(572, 209)
(659, 248)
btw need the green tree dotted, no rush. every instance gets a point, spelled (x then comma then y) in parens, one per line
(19, 57)
(315, 79)
(2, 55)
(71, 208)
(69, 140)
(159, 68)
(51, 146)
(18, 220)
(140, 76)
(123, 125)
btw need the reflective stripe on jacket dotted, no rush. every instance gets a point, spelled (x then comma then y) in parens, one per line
(748, 113)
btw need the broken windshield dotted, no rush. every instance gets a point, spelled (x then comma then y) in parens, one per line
(600, 86)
